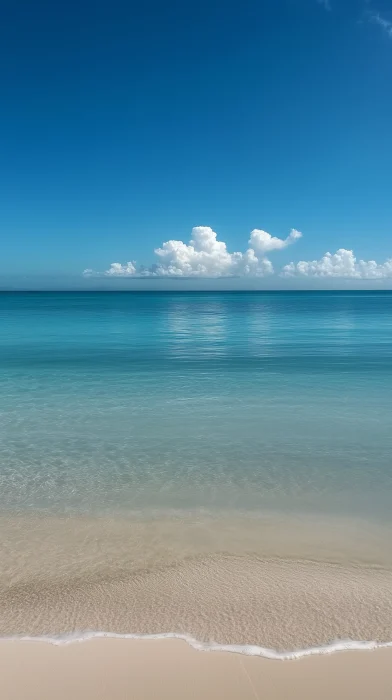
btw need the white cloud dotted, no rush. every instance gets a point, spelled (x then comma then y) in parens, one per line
(384, 23)
(263, 242)
(118, 270)
(206, 256)
(343, 263)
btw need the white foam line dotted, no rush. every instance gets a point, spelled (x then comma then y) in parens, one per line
(246, 649)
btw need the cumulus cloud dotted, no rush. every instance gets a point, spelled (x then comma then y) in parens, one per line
(263, 242)
(206, 256)
(343, 264)
(118, 270)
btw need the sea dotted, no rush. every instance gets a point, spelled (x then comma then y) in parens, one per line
(210, 465)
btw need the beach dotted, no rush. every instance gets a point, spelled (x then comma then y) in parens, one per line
(212, 467)
(196, 350)
(171, 669)
(282, 584)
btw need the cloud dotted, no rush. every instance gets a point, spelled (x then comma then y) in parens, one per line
(206, 256)
(118, 270)
(263, 242)
(343, 264)
(385, 24)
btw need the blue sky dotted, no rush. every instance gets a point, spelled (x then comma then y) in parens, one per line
(125, 125)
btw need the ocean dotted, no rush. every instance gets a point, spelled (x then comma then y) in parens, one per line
(210, 465)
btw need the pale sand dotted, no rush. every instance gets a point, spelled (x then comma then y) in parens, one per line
(281, 584)
(116, 669)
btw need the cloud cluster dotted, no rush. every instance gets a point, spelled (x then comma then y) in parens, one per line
(206, 256)
(342, 264)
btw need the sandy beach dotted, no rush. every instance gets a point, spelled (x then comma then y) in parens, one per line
(196, 577)
(215, 469)
(118, 669)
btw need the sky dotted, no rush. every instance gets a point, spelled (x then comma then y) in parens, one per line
(242, 144)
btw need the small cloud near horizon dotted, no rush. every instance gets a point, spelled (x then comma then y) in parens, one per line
(341, 264)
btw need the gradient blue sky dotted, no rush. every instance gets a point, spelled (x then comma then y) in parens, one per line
(124, 125)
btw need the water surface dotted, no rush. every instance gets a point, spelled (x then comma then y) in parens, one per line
(140, 431)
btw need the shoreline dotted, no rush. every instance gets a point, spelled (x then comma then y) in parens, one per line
(250, 650)
(122, 669)
(238, 603)
(198, 580)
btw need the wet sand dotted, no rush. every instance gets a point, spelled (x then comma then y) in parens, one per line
(214, 580)
(116, 669)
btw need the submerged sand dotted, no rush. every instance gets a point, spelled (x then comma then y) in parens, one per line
(280, 584)
(170, 669)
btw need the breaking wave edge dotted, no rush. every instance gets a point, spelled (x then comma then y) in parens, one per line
(245, 649)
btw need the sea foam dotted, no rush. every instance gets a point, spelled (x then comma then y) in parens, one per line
(245, 649)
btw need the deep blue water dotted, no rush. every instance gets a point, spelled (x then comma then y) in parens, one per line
(111, 402)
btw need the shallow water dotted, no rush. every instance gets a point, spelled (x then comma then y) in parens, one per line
(145, 431)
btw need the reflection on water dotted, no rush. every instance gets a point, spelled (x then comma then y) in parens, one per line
(191, 334)
(259, 331)
(116, 402)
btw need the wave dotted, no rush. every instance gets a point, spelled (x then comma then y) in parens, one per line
(245, 649)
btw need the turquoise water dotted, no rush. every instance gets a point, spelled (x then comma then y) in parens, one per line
(118, 402)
